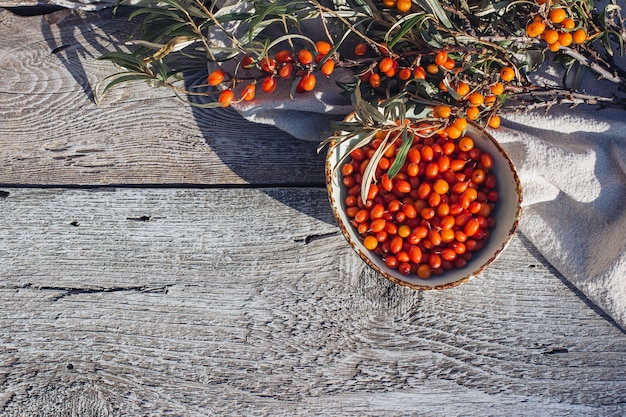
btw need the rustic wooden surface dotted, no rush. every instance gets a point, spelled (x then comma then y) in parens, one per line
(160, 260)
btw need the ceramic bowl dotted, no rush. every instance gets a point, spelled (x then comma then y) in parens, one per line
(507, 213)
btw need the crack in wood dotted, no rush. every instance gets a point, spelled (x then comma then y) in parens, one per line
(310, 238)
(68, 291)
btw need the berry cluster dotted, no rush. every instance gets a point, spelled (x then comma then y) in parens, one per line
(433, 214)
(468, 98)
(299, 67)
(557, 28)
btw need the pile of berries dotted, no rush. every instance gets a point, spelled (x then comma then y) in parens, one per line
(558, 29)
(300, 67)
(434, 214)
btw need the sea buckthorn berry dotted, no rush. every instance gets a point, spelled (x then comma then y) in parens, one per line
(462, 89)
(226, 97)
(390, 3)
(307, 82)
(419, 73)
(550, 36)
(328, 67)
(385, 64)
(476, 98)
(579, 36)
(268, 64)
(497, 88)
(568, 23)
(490, 100)
(472, 113)
(466, 144)
(442, 86)
(535, 29)
(554, 47)
(360, 49)
(441, 186)
(268, 84)
(323, 47)
(286, 71)
(247, 62)
(453, 132)
(432, 69)
(370, 242)
(494, 121)
(460, 123)
(403, 5)
(283, 56)
(216, 77)
(441, 57)
(404, 73)
(565, 39)
(557, 15)
(377, 225)
(402, 186)
(507, 74)
(248, 92)
(424, 271)
(442, 111)
(305, 57)
(374, 80)
(449, 64)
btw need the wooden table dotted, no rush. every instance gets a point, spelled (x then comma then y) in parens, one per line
(157, 259)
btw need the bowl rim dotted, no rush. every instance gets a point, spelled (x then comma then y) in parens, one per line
(470, 274)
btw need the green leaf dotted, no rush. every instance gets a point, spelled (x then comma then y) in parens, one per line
(402, 153)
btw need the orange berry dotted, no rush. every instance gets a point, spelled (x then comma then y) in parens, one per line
(323, 47)
(404, 73)
(268, 64)
(305, 57)
(441, 57)
(226, 97)
(472, 113)
(286, 71)
(283, 56)
(432, 69)
(462, 89)
(442, 111)
(248, 92)
(328, 67)
(494, 121)
(216, 77)
(370, 242)
(568, 23)
(247, 61)
(385, 64)
(507, 74)
(535, 29)
(389, 3)
(550, 36)
(419, 72)
(449, 64)
(442, 86)
(566, 39)
(453, 132)
(490, 100)
(476, 99)
(460, 123)
(466, 144)
(307, 82)
(557, 15)
(403, 5)
(374, 80)
(554, 47)
(579, 36)
(497, 88)
(268, 84)
(360, 49)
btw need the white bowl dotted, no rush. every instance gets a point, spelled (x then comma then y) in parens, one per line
(507, 213)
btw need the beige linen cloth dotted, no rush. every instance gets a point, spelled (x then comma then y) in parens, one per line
(572, 165)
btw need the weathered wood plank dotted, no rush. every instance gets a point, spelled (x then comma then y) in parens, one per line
(52, 132)
(209, 302)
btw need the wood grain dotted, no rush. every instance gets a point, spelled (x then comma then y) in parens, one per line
(136, 302)
(52, 132)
